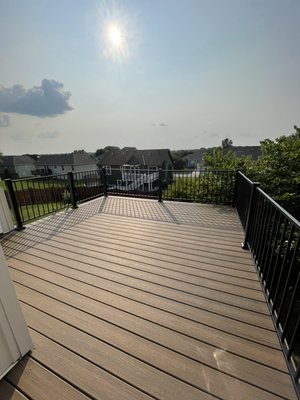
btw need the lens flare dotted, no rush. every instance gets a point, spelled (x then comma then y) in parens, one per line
(118, 38)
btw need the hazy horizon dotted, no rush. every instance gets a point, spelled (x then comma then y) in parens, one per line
(148, 74)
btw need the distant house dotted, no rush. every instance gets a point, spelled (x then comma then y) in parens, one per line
(195, 159)
(54, 164)
(16, 167)
(129, 167)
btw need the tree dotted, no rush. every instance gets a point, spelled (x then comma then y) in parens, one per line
(278, 170)
(226, 143)
(223, 158)
(99, 152)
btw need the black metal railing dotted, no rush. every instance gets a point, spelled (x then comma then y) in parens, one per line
(133, 182)
(273, 237)
(214, 187)
(243, 195)
(33, 198)
(88, 185)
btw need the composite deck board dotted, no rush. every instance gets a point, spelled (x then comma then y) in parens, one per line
(134, 308)
(161, 311)
(188, 273)
(40, 383)
(154, 258)
(9, 392)
(175, 250)
(172, 279)
(251, 292)
(162, 335)
(155, 331)
(123, 364)
(219, 270)
(169, 360)
(137, 289)
(191, 252)
(154, 275)
(155, 236)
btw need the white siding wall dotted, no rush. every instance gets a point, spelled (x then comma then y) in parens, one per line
(24, 170)
(89, 167)
(64, 169)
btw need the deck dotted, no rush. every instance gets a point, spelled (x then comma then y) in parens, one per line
(133, 299)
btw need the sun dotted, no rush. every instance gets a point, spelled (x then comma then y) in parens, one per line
(115, 35)
(118, 36)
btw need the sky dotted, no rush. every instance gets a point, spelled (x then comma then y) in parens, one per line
(173, 74)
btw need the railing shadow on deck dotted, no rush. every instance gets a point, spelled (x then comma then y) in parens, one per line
(50, 226)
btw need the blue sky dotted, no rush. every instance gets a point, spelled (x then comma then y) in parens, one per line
(186, 75)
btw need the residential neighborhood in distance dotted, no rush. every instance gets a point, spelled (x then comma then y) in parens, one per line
(128, 159)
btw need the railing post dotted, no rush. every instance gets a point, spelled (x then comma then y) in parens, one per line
(72, 190)
(255, 185)
(14, 204)
(235, 188)
(103, 172)
(160, 185)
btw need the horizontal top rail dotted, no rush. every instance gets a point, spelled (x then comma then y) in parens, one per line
(247, 179)
(280, 208)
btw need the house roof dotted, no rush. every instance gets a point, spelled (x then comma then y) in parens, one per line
(16, 160)
(75, 158)
(127, 155)
(197, 155)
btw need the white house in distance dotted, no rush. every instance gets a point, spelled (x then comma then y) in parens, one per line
(16, 166)
(54, 164)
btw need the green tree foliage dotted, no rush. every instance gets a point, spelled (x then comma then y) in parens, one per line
(278, 170)
(223, 158)
(99, 152)
(204, 187)
(226, 143)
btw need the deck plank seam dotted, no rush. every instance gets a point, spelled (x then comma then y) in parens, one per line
(177, 290)
(141, 290)
(199, 268)
(27, 397)
(244, 266)
(219, 273)
(130, 355)
(187, 240)
(172, 270)
(76, 231)
(148, 320)
(167, 225)
(149, 363)
(88, 360)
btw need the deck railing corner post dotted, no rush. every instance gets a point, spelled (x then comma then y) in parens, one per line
(103, 173)
(254, 187)
(234, 197)
(160, 185)
(14, 204)
(72, 191)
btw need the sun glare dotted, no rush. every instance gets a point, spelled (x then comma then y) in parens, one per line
(118, 37)
(115, 35)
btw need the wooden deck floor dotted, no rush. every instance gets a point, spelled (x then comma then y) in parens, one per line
(131, 299)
